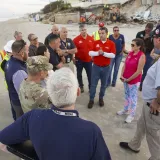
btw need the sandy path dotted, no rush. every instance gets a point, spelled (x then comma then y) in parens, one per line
(113, 127)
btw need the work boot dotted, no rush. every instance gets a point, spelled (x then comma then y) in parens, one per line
(82, 89)
(101, 102)
(125, 145)
(113, 85)
(90, 104)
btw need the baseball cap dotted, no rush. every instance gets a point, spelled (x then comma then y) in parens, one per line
(101, 24)
(39, 63)
(8, 46)
(156, 32)
(32, 37)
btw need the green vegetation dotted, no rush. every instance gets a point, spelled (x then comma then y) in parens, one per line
(56, 6)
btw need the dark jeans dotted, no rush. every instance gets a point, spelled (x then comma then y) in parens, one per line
(17, 110)
(99, 73)
(147, 65)
(116, 63)
(88, 67)
(12, 110)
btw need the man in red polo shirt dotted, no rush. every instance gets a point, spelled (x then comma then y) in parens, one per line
(84, 44)
(103, 51)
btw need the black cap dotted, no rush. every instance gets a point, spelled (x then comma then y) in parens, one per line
(156, 32)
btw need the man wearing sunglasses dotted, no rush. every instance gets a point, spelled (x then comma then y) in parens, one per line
(146, 36)
(15, 72)
(34, 44)
(119, 41)
(149, 122)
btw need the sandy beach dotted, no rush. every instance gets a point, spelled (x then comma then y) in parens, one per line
(113, 127)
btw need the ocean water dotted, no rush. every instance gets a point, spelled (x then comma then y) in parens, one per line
(8, 18)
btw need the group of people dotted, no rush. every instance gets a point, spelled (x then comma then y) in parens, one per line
(43, 89)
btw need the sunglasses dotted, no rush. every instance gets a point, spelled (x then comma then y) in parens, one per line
(132, 45)
(116, 30)
(23, 43)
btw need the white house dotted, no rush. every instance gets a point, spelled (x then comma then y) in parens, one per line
(86, 3)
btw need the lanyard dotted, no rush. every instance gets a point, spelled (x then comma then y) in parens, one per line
(68, 114)
(64, 44)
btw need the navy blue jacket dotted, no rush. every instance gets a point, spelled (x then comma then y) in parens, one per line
(11, 67)
(58, 137)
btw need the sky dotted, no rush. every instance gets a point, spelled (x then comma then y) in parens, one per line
(8, 8)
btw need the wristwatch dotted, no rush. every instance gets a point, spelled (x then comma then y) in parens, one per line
(158, 102)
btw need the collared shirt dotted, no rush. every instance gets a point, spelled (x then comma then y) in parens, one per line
(58, 134)
(69, 44)
(83, 47)
(119, 43)
(151, 83)
(55, 59)
(108, 47)
(148, 42)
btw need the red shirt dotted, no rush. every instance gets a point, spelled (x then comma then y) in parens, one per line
(83, 47)
(131, 65)
(108, 47)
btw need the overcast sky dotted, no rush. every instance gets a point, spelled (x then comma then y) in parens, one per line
(20, 7)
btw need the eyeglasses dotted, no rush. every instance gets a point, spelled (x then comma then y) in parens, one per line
(23, 43)
(116, 30)
(132, 45)
(34, 39)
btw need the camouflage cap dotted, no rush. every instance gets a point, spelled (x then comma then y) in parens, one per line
(39, 63)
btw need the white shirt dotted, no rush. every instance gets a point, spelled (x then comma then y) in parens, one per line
(151, 83)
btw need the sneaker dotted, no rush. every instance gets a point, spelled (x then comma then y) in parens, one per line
(90, 104)
(125, 145)
(101, 102)
(140, 88)
(129, 119)
(82, 89)
(122, 112)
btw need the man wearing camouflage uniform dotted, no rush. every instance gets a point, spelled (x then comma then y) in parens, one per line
(32, 94)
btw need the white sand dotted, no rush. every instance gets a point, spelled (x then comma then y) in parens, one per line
(113, 127)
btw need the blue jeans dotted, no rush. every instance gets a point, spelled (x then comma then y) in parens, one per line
(116, 63)
(88, 67)
(147, 65)
(98, 73)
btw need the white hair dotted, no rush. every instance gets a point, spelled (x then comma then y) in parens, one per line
(62, 87)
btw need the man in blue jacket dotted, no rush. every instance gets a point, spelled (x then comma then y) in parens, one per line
(15, 72)
(59, 133)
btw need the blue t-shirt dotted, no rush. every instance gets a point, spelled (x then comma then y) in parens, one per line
(119, 42)
(58, 137)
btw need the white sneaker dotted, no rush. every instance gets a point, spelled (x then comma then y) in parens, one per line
(122, 112)
(129, 119)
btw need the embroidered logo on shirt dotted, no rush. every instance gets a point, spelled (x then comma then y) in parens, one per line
(157, 31)
(80, 42)
(68, 44)
(107, 47)
(120, 39)
(141, 35)
(97, 45)
(90, 41)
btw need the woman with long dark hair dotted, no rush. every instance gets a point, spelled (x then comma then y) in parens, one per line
(131, 76)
